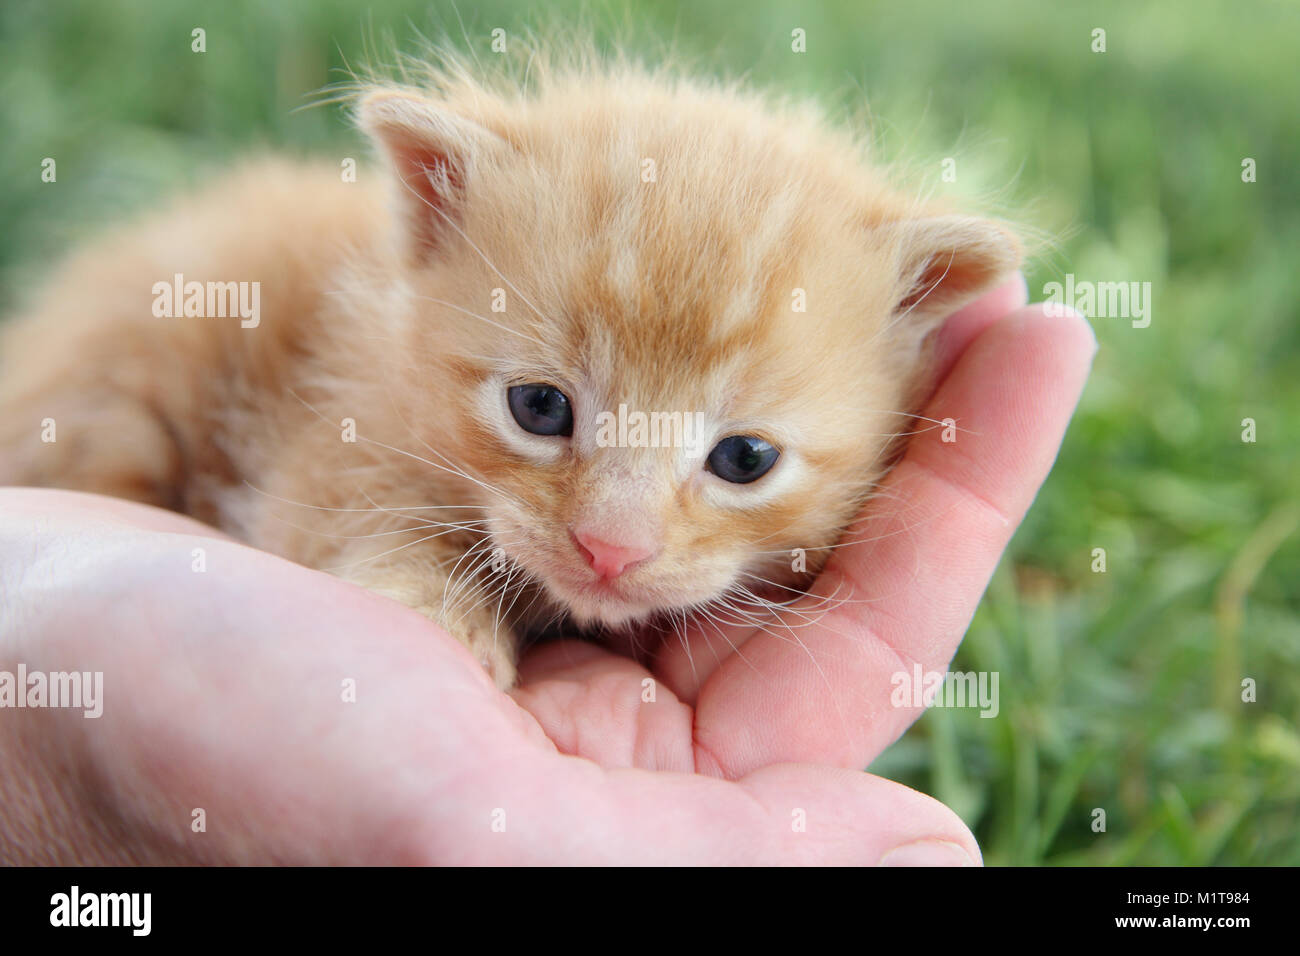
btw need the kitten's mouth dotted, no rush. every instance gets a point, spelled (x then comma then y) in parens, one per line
(612, 602)
(602, 590)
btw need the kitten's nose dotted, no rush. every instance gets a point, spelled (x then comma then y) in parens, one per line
(606, 559)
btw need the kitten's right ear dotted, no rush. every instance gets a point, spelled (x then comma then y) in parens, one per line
(432, 153)
(943, 262)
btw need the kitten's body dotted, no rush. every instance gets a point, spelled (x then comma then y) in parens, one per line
(668, 286)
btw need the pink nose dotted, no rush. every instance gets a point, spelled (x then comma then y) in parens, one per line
(609, 560)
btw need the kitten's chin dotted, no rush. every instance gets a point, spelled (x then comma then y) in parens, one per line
(610, 605)
(597, 606)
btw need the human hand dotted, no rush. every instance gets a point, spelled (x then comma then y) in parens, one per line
(224, 690)
(732, 700)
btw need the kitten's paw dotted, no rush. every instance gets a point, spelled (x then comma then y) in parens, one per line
(493, 647)
(497, 655)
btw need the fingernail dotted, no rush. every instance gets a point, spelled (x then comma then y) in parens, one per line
(927, 853)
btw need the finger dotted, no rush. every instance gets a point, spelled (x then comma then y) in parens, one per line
(922, 564)
(574, 813)
(685, 662)
(600, 705)
(966, 325)
(100, 509)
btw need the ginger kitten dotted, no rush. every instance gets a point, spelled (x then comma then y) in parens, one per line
(604, 349)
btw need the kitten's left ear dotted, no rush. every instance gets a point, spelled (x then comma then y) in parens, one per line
(945, 262)
(433, 153)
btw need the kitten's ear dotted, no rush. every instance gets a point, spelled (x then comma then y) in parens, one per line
(945, 262)
(432, 153)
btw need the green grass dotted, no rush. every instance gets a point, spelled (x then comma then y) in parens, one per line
(1119, 691)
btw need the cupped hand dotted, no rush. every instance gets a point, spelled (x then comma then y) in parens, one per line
(258, 711)
(898, 592)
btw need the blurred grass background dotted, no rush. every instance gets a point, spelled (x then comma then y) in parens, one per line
(1119, 690)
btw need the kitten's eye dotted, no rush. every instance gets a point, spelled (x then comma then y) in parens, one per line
(741, 459)
(541, 409)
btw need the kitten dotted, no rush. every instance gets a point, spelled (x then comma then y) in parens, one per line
(605, 347)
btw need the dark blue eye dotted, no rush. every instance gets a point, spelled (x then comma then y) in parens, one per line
(541, 409)
(741, 459)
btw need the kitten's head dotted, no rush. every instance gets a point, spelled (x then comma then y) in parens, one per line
(669, 329)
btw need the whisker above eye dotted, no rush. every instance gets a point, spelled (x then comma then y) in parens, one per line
(479, 252)
(481, 318)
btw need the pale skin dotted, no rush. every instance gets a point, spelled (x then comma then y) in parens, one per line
(224, 690)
